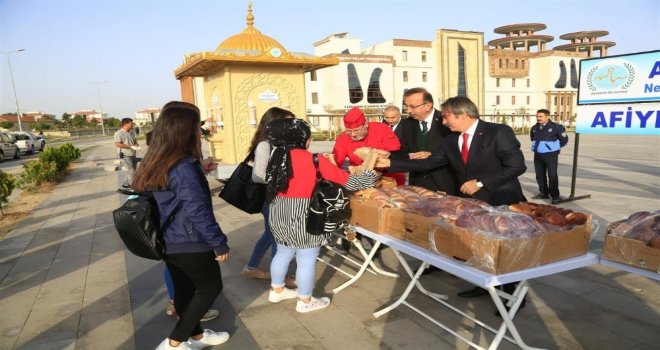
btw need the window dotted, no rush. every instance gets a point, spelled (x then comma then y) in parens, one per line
(404, 55)
(513, 82)
(527, 100)
(506, 63)
(500, 62)
(424, 77)
(405, 76)
(523, 64)
(462, 82)
(497, 99)
(314, 120)
(373, 91)
(315, 98)
(355, 93)
(497, 82)
(312, 75)
(516, 64)
(574, 75)
(513, 100)
(561, 82)
(424, 57)
(528, 83)
(555, 100)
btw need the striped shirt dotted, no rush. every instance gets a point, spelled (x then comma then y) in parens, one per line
(288, 211)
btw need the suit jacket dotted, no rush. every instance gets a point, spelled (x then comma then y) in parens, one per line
(439, 178)
(398, 131)
(495, 159)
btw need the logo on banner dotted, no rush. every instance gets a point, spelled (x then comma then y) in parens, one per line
(611, 78)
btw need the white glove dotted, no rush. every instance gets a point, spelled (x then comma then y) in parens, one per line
(136, 148)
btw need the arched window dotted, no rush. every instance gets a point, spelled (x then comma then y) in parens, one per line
(373, 91)
(462, 87)
(355, 93)
(561, 82)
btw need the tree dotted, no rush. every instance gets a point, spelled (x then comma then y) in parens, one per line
(78, 121)
(6, 125)
(65, 123)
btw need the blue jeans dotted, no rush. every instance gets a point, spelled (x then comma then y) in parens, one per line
(305, 270)
(262, 245)
(168, 282)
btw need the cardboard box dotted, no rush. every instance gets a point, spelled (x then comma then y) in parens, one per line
(631, 252)
(417, 227)
(497, 255)
(374, 216)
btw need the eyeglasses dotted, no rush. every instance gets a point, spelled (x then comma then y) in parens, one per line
(413, 106)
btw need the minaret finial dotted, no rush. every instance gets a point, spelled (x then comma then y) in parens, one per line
(250, 16)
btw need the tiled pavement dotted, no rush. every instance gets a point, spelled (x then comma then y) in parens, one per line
(66, 281)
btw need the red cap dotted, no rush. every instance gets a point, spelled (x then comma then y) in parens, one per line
(354, 118)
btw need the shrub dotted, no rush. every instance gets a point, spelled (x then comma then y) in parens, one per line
(7, 185)
(61, 156)
(36, 173)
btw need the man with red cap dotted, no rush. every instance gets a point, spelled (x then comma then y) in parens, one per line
(360, 133)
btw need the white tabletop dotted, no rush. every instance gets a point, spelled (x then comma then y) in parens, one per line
(635, 270)
(473, 275)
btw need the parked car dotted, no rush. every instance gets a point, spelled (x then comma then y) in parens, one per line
(26, 142)
(42, 141)
(8, 147)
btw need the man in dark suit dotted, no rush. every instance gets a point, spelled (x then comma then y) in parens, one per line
(486, 157)
(422, 133)
(392, 117)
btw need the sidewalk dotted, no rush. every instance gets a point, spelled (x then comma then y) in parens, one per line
(66, 281)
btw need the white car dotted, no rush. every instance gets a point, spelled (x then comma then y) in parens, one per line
(8, 147)
(26, 142)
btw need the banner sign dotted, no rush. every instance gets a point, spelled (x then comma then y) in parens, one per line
(620, 79)
(622, 119)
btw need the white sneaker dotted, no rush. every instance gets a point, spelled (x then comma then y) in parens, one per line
(314, 305)
(209, 338)
(285, 294)
(165, 345)
(209, 315)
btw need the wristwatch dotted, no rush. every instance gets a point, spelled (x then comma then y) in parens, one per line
(479, 184)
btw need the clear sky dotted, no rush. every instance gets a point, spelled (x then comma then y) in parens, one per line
(135, 45)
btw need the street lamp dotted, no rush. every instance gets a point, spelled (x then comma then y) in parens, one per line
(11, 74)
(98, 91)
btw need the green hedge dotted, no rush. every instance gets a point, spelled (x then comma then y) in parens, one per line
(7, 184)
(52, 164)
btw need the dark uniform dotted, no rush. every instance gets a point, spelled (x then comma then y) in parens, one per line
(547, 140)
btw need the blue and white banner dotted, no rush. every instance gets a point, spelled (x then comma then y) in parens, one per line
(619, 119)
(620, 79)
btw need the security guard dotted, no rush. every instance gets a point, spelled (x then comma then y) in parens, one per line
(547, 139)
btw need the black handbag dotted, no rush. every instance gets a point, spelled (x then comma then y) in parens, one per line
(243, 193)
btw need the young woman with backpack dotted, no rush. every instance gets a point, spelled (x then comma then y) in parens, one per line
(291, 177)
(195, 243)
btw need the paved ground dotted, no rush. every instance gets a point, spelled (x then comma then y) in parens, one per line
(66, 281)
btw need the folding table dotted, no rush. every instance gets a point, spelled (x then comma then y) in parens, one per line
(477, 277)
(632, 269)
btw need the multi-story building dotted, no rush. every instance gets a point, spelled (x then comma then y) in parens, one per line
(511, 76)
(146, 116)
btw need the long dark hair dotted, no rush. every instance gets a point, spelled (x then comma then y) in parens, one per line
(176, 135)
(271, 114)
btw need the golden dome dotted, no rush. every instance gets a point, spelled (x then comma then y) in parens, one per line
(250, 39)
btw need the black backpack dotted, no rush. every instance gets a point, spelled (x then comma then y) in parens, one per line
(329, 207)
(138, 223)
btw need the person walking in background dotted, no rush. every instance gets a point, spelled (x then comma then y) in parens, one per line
(194, 241)
(548, 138)
(127, 146)
(259, 154)
(291, 178)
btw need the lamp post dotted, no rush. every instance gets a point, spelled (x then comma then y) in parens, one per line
(11, 74)
(98, 92)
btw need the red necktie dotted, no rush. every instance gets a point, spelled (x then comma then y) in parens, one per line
(465, 148)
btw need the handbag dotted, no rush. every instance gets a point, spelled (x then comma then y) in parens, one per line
(243, 193)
